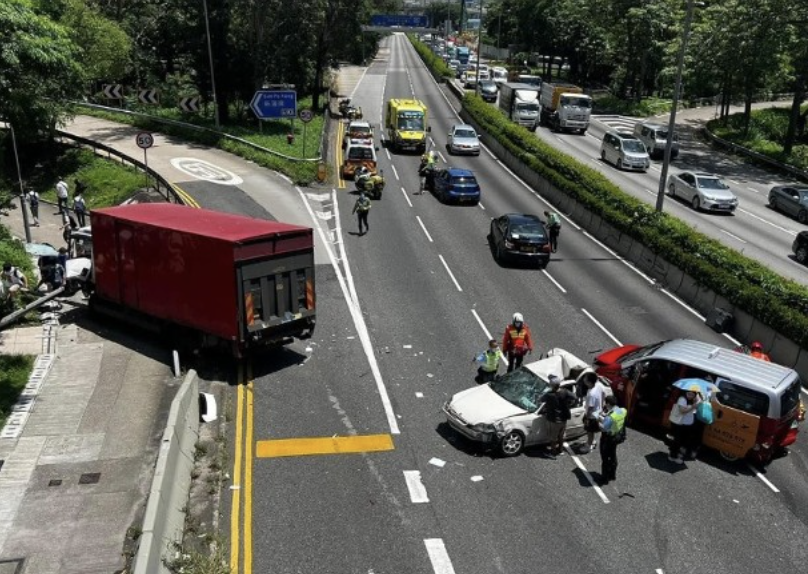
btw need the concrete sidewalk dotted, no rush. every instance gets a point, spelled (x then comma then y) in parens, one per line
(77, 456)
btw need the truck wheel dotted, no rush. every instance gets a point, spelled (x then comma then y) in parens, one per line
(728, 457)
(512, 443)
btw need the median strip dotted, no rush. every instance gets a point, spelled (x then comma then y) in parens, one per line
(323, 445)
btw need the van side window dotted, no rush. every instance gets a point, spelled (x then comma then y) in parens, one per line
(747, 400)
(790, 399)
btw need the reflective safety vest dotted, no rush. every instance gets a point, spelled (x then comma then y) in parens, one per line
(618, 417)
(519, 340)
(491, 361)
(362, 205)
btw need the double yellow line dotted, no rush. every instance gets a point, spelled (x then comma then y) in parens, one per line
(187, 199)
(242, 473)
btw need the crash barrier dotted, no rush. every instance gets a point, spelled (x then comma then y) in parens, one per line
(759, 157)
(164, 521)
(744, 327)
(203, 129)
(162, 185)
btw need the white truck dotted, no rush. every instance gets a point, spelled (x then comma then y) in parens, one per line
(520, 102)
(565, 107)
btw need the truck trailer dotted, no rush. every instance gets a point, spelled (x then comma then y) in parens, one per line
(565, 107)
(520, 102)
(207, 278)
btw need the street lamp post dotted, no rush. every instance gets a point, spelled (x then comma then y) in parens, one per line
(676, 93)
(25, 222)
(210, 60)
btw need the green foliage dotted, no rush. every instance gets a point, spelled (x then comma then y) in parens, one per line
(104, 46)
(39, 69)
(651, 106)
(435, 64)
(765, 135)
(14, 373)
(780, 303)
(273, 137)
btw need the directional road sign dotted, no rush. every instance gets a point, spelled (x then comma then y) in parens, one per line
(274, 104)
(144, 140)
(113, 91)
(190, 104)
(399, 20)
(148, 96)
(306, 115)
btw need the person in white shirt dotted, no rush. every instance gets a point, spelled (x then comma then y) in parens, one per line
(594, 408)
(61, 194)
(683, 418)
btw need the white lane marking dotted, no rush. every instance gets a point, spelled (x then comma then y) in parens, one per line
(407, 197)
(449, 271)
(395, 171)
(732, 181)
(577, 460)
(428, 236)
(556, 283)
(732, 339)
(415, 486)
(441, 563)
(765, 480)
(358, 318)
(655, 168)
(443, 159)
(735, 237)
(602, 328)
(482, 325)
(767, 222)
(649, 192)
(358, 82)
(480, 205)
(658, 571)
(341, 247)
(389, 157)
(752, 189)
(204, 170)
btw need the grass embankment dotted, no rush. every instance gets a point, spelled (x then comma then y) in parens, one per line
(271, 134)
(14, 373)
(765, 134)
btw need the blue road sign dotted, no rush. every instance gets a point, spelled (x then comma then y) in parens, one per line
(400, 20)
(274, 104)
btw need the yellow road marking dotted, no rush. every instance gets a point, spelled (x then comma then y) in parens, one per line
(236, 506)
(323, 445)
(185, 196)
(248, 482)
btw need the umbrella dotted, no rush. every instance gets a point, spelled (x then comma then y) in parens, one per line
(706, 388)
(41, 249)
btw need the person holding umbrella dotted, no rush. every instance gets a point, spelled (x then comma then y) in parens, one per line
(683, 424)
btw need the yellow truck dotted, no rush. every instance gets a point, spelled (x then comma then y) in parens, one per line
(406, 123)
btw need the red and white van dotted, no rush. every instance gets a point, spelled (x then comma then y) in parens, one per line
(756, 408)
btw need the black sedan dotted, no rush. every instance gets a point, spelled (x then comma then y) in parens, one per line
(790, 199)
(520, 237)
(800, 247)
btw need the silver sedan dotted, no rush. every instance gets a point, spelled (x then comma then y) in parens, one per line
(703, 191)
(463, 139)
(790, 199)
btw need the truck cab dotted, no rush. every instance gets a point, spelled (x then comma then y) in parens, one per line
(564, 107)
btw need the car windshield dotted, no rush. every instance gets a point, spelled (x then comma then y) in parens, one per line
(465, 134)
(711, 183)
(531, 107)
(521, 388)
(361, 130)
(640, 353)
(464, 180)
(360, 153)
(411, 121)
(577, 102)
(527, 230)
(633, 146)
(663, 136)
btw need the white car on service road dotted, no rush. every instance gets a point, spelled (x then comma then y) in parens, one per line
(508, 413)
(703, 191)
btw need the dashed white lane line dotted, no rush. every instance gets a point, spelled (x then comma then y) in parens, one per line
(577, 460)
(767, 222)
(441, 563)
(765, 480)
(443, 159)
(387, 151)
(449, 271)
(407, 197)
(395, 171)
(415, 486)
(428, 236)
(649, 192)
(486, 331)
(658, 571)
(556, 283)
(480, 205)
(602, 328)
(735, 237)
(752, 189)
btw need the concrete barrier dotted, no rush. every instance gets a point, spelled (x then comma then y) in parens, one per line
(164, 521)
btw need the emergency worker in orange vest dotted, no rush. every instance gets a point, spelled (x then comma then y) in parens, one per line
(756, 351)
(517, 342)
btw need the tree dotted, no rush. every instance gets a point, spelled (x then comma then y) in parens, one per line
(39, 69)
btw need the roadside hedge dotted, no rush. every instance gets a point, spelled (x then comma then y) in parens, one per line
(435, 63)
(778, 302)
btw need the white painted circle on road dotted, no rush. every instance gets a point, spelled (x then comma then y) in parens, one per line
(201, 169)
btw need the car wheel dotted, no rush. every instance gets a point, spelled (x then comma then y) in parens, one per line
(696, 203)
(802, 255)
(619, 164)
(772, 202)
(512, 443)
(603, 156)
(672, 190)
(802, 216)
(498, 252)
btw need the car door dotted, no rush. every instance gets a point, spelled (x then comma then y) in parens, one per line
(537, 431)
(792, 200)
(450, 137)
(497, 230)
(441, 181)
(687, 189)
(575, 426)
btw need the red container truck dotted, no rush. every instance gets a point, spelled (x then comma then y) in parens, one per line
(211, 278)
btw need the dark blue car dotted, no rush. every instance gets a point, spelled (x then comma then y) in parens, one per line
(456, 184)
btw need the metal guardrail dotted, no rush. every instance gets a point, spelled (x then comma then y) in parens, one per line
(219, 133)
(162, 185)
(799, 173)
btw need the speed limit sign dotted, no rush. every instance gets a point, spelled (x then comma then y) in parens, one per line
(306, 115)
(144, 140)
